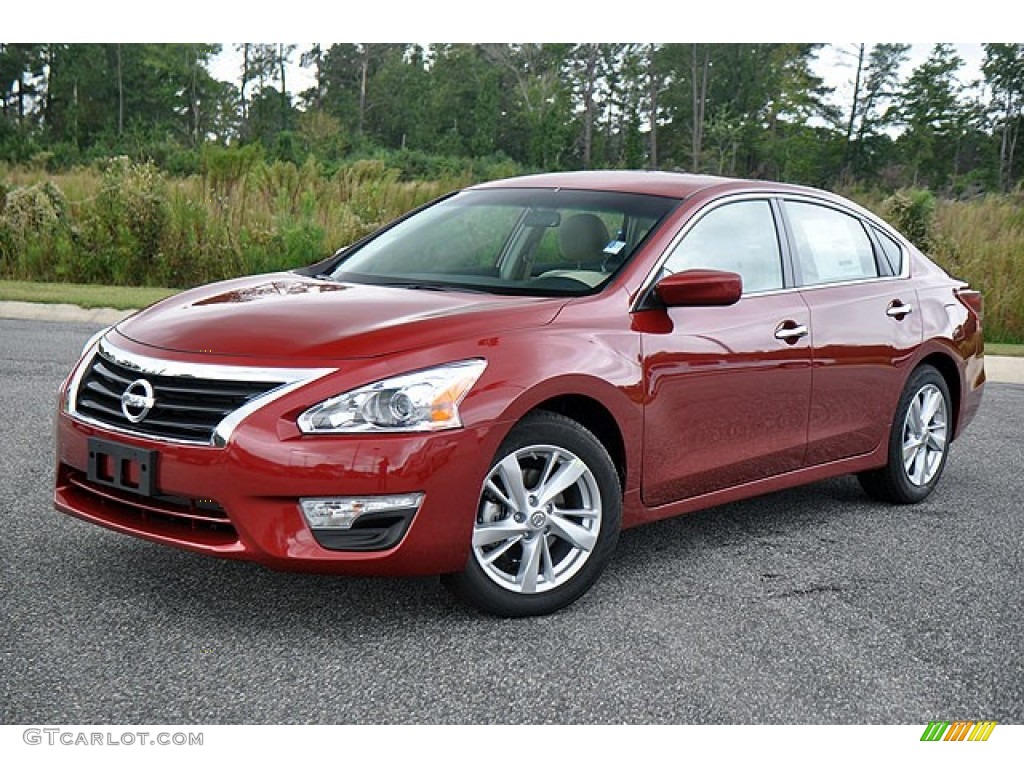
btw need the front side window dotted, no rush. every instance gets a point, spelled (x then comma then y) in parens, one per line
(521, 241)
(737, 237)
(831, 246)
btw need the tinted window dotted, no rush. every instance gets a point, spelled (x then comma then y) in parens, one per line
(831, 246)
(738, 237)
(892, 251)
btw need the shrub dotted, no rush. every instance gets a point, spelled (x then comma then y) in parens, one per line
(126, 224)
(912, 212)
(33, 221)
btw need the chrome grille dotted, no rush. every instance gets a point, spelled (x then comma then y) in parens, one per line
(185, 408)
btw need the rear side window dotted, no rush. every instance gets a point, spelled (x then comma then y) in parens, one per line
(891, 250)
(831, 246)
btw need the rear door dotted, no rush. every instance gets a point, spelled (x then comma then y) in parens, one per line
(727, 388)
(866, 326)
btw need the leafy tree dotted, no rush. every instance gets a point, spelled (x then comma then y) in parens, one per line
(398, 96)
(1003, 68)
(538, 131)
(270, 110)
(21, 69)
(464, 101)
(934, 113)
(738, 107)
(870, 116)
(583, 67)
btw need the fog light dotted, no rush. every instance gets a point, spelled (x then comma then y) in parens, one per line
(342, 511)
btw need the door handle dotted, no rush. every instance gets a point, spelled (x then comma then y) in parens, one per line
(899, 310)
(790, 332)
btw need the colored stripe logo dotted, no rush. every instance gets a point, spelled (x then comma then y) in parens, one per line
(958, 730)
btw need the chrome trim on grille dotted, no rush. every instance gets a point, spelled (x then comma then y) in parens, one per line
(158, 367)
(222, 432)
(71, 394)
(289, 379)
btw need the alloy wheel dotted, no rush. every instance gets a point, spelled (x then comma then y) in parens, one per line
(925, 435)
(539, 519)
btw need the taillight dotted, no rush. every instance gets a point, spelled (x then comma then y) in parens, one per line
(973, 300)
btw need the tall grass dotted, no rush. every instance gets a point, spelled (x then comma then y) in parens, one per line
(983, 242)
(980, 241)
(129, 224)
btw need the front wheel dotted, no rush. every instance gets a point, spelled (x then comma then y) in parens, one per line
(547, 521)
(918, 443)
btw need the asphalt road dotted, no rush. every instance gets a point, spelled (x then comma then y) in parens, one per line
(809, 606)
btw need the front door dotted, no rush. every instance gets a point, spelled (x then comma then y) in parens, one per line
(727, 388)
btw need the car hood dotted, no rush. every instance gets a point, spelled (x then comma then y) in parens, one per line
(290, 315)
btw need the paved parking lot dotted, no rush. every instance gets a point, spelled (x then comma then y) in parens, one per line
(809, 606)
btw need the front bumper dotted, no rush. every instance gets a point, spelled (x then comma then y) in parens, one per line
(241, 501)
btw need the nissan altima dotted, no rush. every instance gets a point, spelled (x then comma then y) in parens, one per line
(492, 387)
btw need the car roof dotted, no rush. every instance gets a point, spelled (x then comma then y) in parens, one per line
(662, 183)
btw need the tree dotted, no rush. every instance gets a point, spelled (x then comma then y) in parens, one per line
(700, 70)
(631, 104)
(1003, 68)
(583, 70)
(21, 69)
(245, 49)
(460, 101)
(284, 54)
(399, 90)
(314, 96)
(345, 86)
(870, 115)
(539, 130)
(935, 116)
(758, 98)
(269, 106)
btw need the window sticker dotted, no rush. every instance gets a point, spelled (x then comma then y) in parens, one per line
(614, 248)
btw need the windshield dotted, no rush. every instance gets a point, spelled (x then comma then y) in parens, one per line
(522, 241)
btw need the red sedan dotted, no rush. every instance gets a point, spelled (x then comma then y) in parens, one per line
(493, 386)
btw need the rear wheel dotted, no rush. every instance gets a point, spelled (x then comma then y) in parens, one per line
(918, 443)
(547, 521)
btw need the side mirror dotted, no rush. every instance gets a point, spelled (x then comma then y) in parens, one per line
(699, 288)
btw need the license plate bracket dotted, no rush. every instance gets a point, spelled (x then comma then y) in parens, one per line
(123, 467)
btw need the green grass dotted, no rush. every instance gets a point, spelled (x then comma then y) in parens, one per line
(88, 296)
(1004, 350)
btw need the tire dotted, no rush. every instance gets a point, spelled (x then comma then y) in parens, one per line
(918, 443)
(530, 555)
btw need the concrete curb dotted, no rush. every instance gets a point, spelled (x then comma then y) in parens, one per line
(1009, 370)
(61, 313)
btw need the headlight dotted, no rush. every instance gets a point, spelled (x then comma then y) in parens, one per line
(424, 401)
